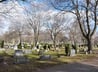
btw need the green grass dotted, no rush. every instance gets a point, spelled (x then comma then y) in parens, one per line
(77, 58)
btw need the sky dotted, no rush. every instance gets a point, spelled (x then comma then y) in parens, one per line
(46, 8)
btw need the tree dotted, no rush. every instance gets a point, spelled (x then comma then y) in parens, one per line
(5, 9)
(86, 14)
(18, 26)
(34, 18)
(55, 24)
(35, 22)
(74, 33)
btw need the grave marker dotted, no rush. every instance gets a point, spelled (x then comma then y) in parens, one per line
(19, 57)
(72, 52)
(45, 57)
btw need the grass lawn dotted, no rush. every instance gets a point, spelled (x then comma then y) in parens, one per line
(35, 64)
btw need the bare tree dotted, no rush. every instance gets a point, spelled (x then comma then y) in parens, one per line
(86, 14)
(34, 18)
(18, 25)
(74, 33)
(5, 9)
(35, 22)
(55, 25)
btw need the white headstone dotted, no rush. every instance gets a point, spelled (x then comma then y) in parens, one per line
(22, 47)
(34, 48)
(15, 47)
(38, 50)
(18, 53)
(72, 53)
(39, 46)
(27, 51)
(46, 50)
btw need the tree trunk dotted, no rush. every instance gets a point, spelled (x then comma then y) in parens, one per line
(54, 43)
(89, 44)
(35, 41)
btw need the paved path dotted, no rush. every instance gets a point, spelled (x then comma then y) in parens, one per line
(85, 66)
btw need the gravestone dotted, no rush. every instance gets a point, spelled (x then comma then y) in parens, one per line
(22, 46)
(15, 47)
(27, 51)
(18, 53)
(37, 50)
(72, 52)
(45, 57)
(19, 57)
(34, 48)
(2, 49)
(85, 51)
(46, 50)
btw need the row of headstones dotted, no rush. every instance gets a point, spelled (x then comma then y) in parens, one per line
(41, 51)
(20, 58)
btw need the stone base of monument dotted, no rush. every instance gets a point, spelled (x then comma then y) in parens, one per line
(20, 60)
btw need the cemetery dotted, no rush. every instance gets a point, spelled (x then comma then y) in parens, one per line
(48, 35)
(34, 60)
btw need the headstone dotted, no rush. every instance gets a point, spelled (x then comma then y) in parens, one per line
(6, 46)
(27, 51)
(2, 49)
(46, 50)
(19, 57)
(85, 51)
(45, 57)
(15, 47)
(22, 46)
(18, 53)
(34, 48)
(72, 53)
(39, 46)
(20, 60)
(37, 50)
(57, 48)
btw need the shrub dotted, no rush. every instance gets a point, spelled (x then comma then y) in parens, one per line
(75, 47)
(25, 45)
(32, 45)
(67, 49)
(49, 46)
(45, 47)
(2, 44)
(20, 46)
